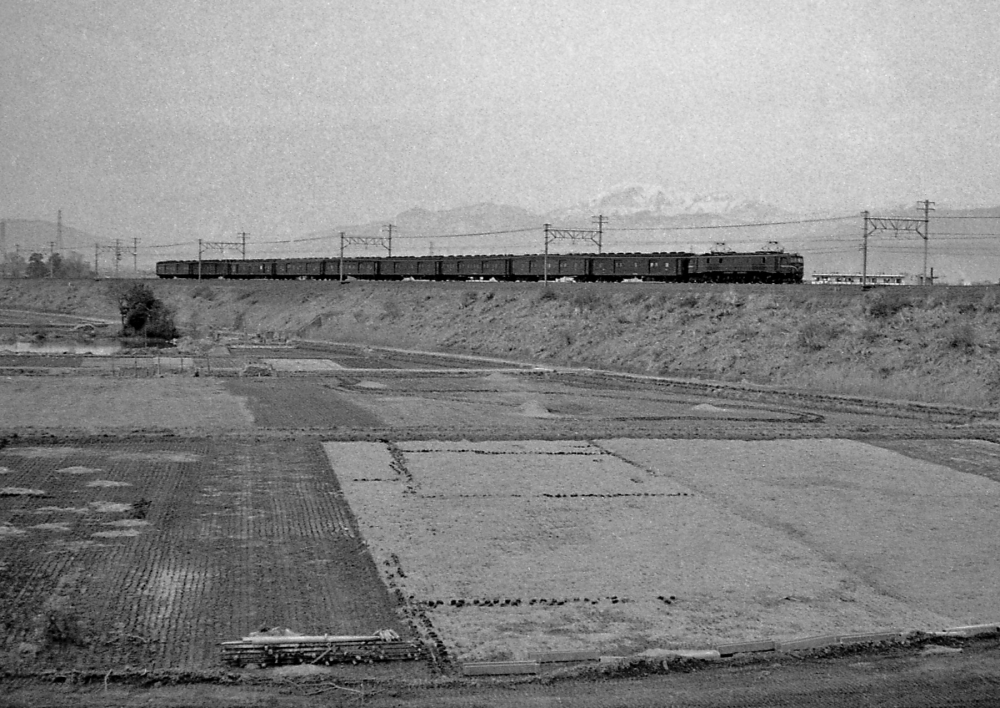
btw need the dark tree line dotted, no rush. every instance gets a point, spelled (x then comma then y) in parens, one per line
(38, 266)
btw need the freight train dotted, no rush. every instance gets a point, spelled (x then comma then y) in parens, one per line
(757, 267)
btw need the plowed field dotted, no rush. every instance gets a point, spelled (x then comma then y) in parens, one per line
(625, 545)
(149, 554)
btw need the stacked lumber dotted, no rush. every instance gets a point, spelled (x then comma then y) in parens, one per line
(288, 648)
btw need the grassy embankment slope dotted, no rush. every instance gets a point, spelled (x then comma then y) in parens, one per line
(933, 344)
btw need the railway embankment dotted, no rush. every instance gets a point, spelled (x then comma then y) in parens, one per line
(937, 344)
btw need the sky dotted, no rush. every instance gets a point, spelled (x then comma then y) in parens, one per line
(180, 119)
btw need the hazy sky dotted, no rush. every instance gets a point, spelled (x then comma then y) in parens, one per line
(178, 119)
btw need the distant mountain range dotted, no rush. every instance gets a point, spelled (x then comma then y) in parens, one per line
(649, 203)
(964, 245)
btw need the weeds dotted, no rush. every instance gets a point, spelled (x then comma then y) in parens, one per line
(817, 334)
(586, 299)
(63, 627)
(391, 310)
(962, 337)
(870, 335)
(140, 508)
(887, 303)
(547, 295)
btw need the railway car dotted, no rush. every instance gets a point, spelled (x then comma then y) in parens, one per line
(758, 267)
(639, 266)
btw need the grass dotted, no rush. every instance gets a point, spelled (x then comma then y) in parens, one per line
(882, 338)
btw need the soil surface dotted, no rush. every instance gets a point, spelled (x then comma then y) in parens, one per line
(153, 506)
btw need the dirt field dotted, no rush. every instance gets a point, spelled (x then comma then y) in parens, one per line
(149, 555)
(627, 545)
(92, 403)
(488, 512)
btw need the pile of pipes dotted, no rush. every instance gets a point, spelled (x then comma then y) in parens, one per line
(283, 646)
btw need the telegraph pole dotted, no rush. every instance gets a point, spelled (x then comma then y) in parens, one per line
(390, 227)
(600, 220)
(135, 255)
(52, 253)
(864, 252)
(243, 238)
(926, 204)
(545, 258)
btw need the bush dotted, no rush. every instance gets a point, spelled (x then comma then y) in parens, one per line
(887, 303)
(816, 335)
(962, 337)
(688, 301)
(586, 299)
(143, 314)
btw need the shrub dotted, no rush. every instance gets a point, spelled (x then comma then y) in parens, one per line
(962, 337)
(548, 294)
(991, 302)
(817, 334)
(688, 301)
(143, 314)
(886, 303)
(586, 299)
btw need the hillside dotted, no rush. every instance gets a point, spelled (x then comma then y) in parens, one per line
(935, 344)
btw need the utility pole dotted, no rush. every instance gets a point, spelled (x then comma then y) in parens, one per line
(52, 253)
(390, 227)
(600, 220)
(545, 258)
(864, 252)
(926, 204)
(135, 255)
(341, 267)
(59, 235)
(243, 237)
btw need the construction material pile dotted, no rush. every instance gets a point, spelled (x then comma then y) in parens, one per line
(283, 646)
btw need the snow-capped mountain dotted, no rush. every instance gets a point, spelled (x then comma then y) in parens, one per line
(651, 202)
